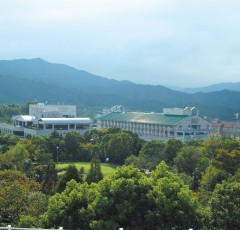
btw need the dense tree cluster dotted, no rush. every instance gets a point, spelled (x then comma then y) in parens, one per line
(158, 185)
(7, 111)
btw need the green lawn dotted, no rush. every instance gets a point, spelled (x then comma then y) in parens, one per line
(107, 169)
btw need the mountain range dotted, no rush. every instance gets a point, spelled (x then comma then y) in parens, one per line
(36, 80)
(212, 88)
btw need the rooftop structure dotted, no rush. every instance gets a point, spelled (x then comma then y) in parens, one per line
(41, 110)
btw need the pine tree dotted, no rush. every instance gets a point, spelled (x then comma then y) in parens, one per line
(95, 173)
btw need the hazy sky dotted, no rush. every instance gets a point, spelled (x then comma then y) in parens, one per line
(185, 43)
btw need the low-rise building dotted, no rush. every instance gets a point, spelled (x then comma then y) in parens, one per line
(228, 129)
(178, 123)
(24, 126)
(42, 124)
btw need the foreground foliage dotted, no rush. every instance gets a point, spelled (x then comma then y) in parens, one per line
(157, 185)
(159, 202)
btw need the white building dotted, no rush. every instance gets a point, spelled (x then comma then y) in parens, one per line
(41, 125)
(24, 126)
(178, 123)
(41, 110)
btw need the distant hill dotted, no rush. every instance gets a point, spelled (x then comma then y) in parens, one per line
(25, 80)
(213, 88)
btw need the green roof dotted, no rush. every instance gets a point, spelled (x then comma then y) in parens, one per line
(151, 118)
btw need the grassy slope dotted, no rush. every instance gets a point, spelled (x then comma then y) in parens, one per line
(107, 169)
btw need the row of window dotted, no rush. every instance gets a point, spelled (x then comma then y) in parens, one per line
(142, 126)
(64, 127)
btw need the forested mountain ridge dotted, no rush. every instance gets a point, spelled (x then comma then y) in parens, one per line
(212, 88)
(37, 80)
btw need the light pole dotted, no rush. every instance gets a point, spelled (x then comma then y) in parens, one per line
(57, 154)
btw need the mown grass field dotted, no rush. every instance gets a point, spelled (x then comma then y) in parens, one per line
(107, 169)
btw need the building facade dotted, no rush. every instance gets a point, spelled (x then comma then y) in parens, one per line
(228, 129)
(41, 124)
(41, 110)
(178, 123)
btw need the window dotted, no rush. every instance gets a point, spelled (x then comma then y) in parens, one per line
(82, 126)
(61, 127)
(49, 126)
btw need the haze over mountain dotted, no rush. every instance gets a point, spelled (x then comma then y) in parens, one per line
(211, 88)
(37, 80)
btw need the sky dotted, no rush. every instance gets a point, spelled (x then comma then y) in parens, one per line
(180, 43)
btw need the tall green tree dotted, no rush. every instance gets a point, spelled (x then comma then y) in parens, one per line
(117, 147)
(211, 177)
(172, 204)
(71, 174)
(121, 200)
(72, 145)
(224, 205)
(7, 141)
(19, 157)
(14, 194)
(55, 145)
(172, 147)
(95, 173)
(70, 209)
(46, 175)
(151, 154)
(229, 160)
(189, 159)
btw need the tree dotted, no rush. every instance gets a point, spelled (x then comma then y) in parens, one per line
(95, 174)
(72, 145)
(161, 202)
(119, 197)
(7, 141)
(192, 162)
(71, 174)
(224, 205)
(152, 153)
(70, 208)
(172, 146)
(37, 148)
(172, 204)
(188, 159)
(14, 190)
(117, 147)
(55, 143)
(36, 205)
(229, 160)
(46, 175)
(85, 149)
(211, 177)
(19, 157)
(137, 143)
(211, 145)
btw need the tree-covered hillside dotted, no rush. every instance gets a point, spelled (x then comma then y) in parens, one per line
(38, 80)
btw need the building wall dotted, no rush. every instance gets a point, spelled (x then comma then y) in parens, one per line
(41, 110)
(192, 127)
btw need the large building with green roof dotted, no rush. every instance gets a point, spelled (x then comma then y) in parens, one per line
(179, 123)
